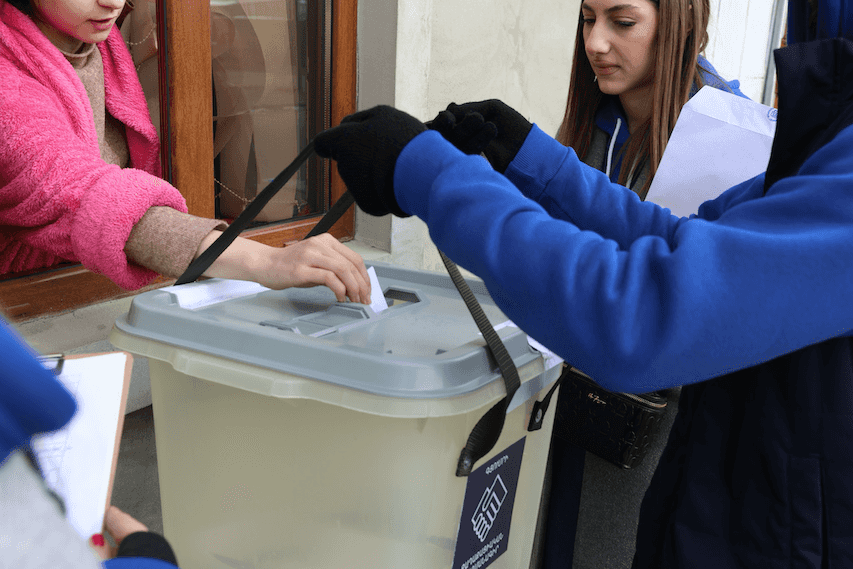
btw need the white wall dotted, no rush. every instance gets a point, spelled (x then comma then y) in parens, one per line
(519, 52)
(449, 51)
(428, 53)
(740, 32)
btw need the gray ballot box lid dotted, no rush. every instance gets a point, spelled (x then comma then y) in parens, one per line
(424, 346)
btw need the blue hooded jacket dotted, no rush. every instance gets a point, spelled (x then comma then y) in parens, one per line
(757, 469)
(611, 119)
(746, 304)
(834, 19)
(33, 401)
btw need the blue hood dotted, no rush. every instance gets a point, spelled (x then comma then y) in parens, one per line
(834, 20)
(610, 109)
(31, 399)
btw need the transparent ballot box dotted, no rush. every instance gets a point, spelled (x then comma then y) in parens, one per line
(296, 431)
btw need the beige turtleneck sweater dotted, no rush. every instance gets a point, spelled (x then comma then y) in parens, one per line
(164, 240)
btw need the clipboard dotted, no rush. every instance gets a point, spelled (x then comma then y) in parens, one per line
(79, 461)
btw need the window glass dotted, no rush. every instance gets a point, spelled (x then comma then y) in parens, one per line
(269, 62)
(268, 102)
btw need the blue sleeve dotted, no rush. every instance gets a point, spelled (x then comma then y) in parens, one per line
(639, 299)
(712, 78)
(32, 400)
(552, 175)
(137, 563)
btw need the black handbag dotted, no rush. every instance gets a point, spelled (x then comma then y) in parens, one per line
(617, 427)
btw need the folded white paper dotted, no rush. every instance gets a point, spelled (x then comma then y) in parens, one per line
(192, 296)
(377, 299)
(719, 141)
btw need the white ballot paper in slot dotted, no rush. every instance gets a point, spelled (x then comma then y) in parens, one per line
(719, 141)
(377, 298)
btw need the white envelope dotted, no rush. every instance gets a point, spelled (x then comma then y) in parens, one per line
(720, 140)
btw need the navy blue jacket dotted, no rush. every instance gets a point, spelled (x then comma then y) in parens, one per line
(757, 472)
(747, 304)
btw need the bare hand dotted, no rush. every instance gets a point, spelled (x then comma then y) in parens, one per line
(320, 260)
(118, 525)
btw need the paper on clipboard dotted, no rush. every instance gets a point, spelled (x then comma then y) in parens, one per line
(79, 460)
(720, 140)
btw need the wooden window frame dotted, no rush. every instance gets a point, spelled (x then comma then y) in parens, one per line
(187, 142)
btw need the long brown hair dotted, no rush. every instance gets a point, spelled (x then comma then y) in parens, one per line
(681, 36)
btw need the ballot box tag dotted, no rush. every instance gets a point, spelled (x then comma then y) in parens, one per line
(483, 532)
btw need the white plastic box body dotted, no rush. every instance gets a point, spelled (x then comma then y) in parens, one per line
(328, 436)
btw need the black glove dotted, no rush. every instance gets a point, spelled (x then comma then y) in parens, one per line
(146, 544)
(512, 129)
(366, 146)
(471, 135)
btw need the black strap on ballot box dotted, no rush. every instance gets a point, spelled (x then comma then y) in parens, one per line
(203, 261)
(488, 429)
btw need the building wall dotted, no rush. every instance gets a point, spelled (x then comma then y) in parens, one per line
(426, 54)
(740, 35)
(430, 53)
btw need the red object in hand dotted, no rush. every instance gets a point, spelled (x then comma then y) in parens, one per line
(98, 540)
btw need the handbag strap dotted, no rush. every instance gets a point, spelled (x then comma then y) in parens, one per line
(488, 429)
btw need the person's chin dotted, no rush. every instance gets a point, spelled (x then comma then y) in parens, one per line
(97, 37)
(610, 87)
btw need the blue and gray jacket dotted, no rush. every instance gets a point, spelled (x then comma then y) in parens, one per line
(746, 304)
(611, 131)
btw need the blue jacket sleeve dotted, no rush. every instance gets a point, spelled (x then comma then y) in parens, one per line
(712, 78)
(633, 296)
(137, 563)
(553, 176)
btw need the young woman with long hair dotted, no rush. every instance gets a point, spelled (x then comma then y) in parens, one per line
(636, 63)
(633, 70)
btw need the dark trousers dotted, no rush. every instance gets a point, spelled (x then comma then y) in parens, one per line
(560, 503)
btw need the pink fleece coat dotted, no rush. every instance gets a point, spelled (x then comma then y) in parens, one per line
(58, 200)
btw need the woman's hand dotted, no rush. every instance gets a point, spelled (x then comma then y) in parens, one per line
(320, 260)
(119, 525)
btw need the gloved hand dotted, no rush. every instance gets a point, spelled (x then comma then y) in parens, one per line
(471, 134)
(366, 146)
(511, 126)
